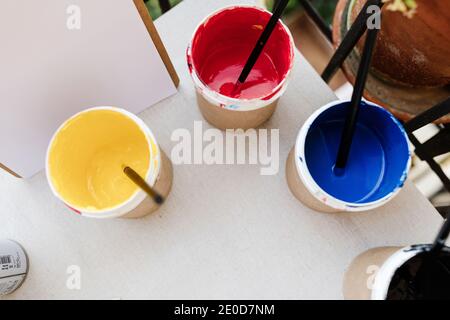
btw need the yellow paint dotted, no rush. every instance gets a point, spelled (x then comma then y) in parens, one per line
(87, 156)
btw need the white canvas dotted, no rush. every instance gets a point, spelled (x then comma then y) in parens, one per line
(48, 72)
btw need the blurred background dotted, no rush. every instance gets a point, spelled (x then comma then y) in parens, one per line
(325, 7)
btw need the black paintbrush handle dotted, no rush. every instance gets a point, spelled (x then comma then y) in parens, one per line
(141, 183)
(441, 238)
(263, 40)
(360, 83)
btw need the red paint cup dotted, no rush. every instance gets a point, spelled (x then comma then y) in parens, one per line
(219, 49)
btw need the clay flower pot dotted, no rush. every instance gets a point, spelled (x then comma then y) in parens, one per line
(412, 51)
(411, 66)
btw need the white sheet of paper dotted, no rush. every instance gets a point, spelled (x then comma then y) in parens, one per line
(48, 72)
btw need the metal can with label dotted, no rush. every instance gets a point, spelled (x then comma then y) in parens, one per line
(13, 266)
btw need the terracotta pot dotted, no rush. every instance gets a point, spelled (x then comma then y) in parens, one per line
(404, 101)
(413, 51)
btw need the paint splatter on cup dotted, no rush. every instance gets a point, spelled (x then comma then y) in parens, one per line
(391, 273)
(86, 158)
(219, 49)
(378, 163)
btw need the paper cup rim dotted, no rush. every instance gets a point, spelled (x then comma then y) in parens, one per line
(323, 196)
(138, 196)
(387, 270)
(234, 104)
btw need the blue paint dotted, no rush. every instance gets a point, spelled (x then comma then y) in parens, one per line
(378, 158)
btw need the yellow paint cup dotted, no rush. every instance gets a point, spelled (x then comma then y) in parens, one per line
(86, 158)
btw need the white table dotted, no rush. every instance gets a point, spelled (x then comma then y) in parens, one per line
(226, 232)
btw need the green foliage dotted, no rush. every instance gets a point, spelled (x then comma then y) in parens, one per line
(324, 7)
(407, 7)
(292, 4)
(155, 10)
(411, 4)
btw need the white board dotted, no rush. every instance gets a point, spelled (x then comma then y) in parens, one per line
(50, 71)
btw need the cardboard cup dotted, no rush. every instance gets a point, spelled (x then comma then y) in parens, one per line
(162, 185)
(159, 175)
(370, 274)
(224, 118)
(360, 275)
(299, 190)
(313, 194)
(223, 111)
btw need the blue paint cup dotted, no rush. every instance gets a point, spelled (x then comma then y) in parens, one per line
(378, 163)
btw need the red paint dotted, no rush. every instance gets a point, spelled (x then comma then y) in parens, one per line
(189, 61)
(74, 210)
(222, 45)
